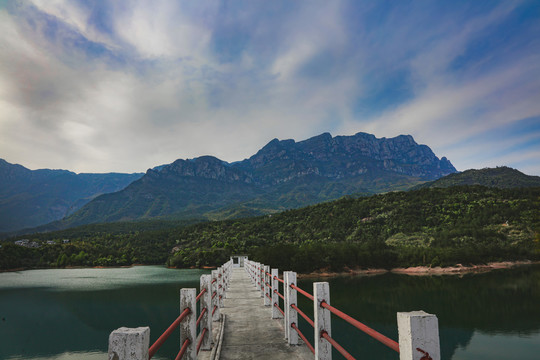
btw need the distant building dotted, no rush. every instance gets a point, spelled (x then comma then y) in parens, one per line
(51, 242)
(65, 241)
(27, 243)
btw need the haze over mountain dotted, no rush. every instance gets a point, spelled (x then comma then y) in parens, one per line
(283, 174)
(30, 198)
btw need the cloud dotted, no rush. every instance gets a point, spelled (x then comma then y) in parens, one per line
(96, 86)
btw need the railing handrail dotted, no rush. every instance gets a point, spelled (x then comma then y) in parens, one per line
(392, 344)
(259, 276)
(157, 344)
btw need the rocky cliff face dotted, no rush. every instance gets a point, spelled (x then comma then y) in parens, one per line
(283, 174)
(345, 156)
(207, 167)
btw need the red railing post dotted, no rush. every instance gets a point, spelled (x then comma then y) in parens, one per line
(206, 303)
(418, 336)
(291, 314)
(322, 321)
(275, 299)
(188, 327)
(267, 297)
(214, 295)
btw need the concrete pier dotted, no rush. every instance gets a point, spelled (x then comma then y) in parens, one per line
(249, 331)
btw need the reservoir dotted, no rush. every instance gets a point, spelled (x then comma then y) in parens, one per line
(68, 314)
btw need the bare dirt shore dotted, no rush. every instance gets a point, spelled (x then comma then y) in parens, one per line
(424, 270)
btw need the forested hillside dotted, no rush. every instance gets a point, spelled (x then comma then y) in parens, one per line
(501, 177)
(439, 226)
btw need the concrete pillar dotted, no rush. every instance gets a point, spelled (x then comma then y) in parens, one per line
(292, 315)
(206, 303)
(129, 343)
(188, 327)
(261, 279)
(321, 317)
(221, 293)
(285, 307)
(275, 297)
(266, 287)
(215, 300)
(418, 335)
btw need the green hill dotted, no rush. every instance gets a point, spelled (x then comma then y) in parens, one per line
(500, 177)
(434, 226)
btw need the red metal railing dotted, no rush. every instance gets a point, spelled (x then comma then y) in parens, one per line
(205, 330)
(182, 349)
(336, 346)
(374, 334)
(200, 295)
(259, 278)
(154, 348)
(293, 325)
(159, 342)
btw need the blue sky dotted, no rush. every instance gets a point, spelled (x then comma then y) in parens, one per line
(98, 86)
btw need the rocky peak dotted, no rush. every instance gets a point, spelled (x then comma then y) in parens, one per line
(207, 167)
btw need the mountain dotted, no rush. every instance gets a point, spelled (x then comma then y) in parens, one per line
(500, 177)
(30, 198)
(282, 175)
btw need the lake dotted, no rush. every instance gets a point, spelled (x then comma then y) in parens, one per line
(69, 313)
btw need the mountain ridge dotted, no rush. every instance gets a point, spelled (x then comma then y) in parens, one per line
(30, 198)
(282, 174)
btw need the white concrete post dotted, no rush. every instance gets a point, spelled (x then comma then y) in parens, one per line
(322, 320)
(418, 335)
(215, 302)
(261, 279)
(266, 287)
(220, 287)
(292, 315)
(129, 344)
(285, 307)
(206, 303)
(188, 327)
(275, 297)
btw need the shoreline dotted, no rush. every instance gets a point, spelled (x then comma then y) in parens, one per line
(458, 269)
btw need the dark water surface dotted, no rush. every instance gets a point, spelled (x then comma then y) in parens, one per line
(69, 314)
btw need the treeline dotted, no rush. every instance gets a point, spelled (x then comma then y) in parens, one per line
(440, 226)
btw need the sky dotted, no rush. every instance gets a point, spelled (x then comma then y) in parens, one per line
(123, 86)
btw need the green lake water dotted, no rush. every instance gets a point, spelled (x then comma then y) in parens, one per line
(69, 314)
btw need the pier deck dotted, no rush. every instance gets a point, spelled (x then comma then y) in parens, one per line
(249, 332)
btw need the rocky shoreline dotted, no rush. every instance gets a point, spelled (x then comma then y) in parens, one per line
(425, 270)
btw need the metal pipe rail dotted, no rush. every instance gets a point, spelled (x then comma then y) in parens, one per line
(418, 331)
(374, 334)
(129, 343)
(157, 344)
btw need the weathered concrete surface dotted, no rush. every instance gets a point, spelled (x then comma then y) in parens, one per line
(249, 332)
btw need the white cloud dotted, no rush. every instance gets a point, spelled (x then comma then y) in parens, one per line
(161, 92)
(164, 29)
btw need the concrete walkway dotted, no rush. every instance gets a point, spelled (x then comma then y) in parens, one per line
(249, 331)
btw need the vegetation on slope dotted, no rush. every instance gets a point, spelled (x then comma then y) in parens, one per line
(439, 226)
(500, 177)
